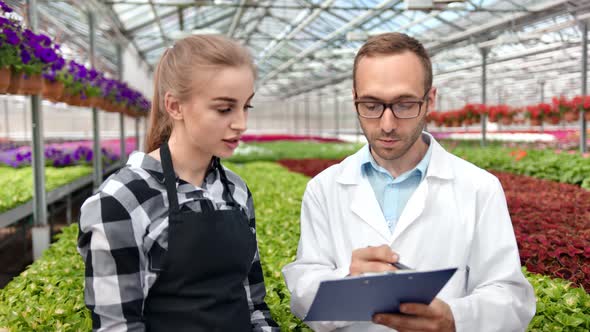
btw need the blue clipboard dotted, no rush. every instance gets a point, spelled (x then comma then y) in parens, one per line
(359, 298)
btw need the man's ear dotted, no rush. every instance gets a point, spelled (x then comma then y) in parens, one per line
(432, 99)
(172, 105)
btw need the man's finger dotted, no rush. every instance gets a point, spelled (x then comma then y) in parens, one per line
(404, 322)
(417, 309)
(377, 267)
(382, 253)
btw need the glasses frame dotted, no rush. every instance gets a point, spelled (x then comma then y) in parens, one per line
(420, 102)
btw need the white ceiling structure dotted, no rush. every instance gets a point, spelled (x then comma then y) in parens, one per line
(308, 46)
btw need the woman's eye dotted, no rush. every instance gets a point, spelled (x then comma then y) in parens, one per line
(224, 110)
(248, 107)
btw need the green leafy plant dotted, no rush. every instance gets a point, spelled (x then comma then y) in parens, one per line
(48, 296)
(273, 151)
(560, 307)
(543, 164)
(16, 184)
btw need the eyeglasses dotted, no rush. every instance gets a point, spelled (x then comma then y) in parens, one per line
(403, 109)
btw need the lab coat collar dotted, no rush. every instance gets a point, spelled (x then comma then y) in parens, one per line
(439, 166)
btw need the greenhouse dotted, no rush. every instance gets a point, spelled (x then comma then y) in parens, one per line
(232, 165)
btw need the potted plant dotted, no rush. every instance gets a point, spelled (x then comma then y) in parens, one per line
(36, 53)
(551, 114)
(566, 109)
(74, 83)
(534, 114)
(9, 57)
(473, 113)
(582, 103)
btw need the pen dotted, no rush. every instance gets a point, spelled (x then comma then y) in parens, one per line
(401, 266)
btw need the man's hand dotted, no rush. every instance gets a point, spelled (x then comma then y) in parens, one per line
(420, 317)
(372, 259)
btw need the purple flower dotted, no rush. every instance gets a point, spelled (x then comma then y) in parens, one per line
(30, 35)
(58, 64)
(50, 75)
(92, 74)
(5, 7)
(44, 40)
(25, 56)
(48, 55)
(11, 36)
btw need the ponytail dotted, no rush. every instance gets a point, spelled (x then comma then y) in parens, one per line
(160, 126)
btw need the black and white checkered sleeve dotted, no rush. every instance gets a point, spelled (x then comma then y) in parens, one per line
(113, 283)
(260, 316)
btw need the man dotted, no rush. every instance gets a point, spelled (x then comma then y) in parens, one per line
(403, 198)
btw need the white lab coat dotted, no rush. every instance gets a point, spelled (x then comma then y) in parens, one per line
(457, 217)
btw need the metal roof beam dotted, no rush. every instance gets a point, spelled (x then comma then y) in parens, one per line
(236, 19)
(369, 14)
(309, 5)
(159, 23)
(133, 30)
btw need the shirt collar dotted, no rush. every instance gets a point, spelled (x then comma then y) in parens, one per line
(139, 159)
(369, 164)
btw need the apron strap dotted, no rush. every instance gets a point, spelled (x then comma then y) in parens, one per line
(169, 177)
(227, 196)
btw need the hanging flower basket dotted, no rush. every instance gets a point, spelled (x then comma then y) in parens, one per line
(571, 116)
(4, 79)
(31, 84)
(535, 122)
(552, 119)
(506, 120)
(15, 82)
(52, 90)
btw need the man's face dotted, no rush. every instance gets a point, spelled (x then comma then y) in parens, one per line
(388, 79)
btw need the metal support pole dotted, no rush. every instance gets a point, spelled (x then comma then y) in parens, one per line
(583, 128)
(484, 117)
(137, 147)
(320, 114)
(307, 114)
(97, 152)
(41, 230)
(121, 115)
(25, 120)
(69, 209)
(295, 119)
(336, 114)
(145, 129)
(6, 119)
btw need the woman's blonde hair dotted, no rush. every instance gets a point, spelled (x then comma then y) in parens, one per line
(176, 74)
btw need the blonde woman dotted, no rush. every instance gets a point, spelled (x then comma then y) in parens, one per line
(169, 241)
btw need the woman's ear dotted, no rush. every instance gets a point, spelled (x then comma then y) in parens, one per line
(172, 105)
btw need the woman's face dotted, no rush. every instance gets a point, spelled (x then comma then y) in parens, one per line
(215, 117)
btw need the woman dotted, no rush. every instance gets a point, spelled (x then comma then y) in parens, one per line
(169, 240)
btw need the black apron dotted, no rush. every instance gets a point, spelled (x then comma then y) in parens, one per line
(209, 256)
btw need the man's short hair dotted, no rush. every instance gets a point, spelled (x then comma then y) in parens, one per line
(394, 43)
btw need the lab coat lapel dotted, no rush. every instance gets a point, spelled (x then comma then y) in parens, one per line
(412, 210)
(364, 204)
(438, 168)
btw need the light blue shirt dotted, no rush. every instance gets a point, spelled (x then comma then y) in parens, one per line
(393, 193)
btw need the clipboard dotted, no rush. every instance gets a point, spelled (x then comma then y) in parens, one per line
(359, 298)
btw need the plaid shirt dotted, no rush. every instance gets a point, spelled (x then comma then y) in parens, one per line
(124, 237)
